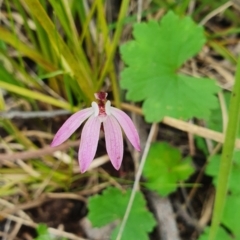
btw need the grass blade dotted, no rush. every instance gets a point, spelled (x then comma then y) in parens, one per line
(227, 155)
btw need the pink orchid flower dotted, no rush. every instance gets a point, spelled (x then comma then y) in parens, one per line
(101, 113)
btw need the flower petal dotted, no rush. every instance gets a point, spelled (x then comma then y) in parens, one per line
(88, 143)
(71, 124)
(114, 141)
(127, 126)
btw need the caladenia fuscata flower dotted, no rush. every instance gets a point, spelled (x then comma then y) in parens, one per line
(100, 116)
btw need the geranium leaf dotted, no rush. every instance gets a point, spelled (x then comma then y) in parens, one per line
(111, 206)
(231, 214)
(213, 169)
(221, 234)
(151, 75)
(164, 168)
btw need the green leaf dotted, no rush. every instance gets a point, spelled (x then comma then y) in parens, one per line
(153, 60)
(231, 214)
(52, 74)
(201, 144)
(34, 95)
(164, 168)
(221, 235)
(111, 206)
(215, 122)
(78, 69)
(8, 77)
(26, 50)
(43, 233)
(213, 169)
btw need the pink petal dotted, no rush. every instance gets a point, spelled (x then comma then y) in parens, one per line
(114, 141)
(70, 126)
(127, 126)
(88, 143)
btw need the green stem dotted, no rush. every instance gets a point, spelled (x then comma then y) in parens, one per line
(113, 47)
(106, 39)
(227, 155)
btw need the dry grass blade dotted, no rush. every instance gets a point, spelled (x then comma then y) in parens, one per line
(37, 153)
(187, 127)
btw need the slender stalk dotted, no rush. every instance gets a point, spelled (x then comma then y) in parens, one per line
(89, 28)
(227, 154)
(106, 39)
(14, 31)
(113, 47)
(137, 179)
(2, 102)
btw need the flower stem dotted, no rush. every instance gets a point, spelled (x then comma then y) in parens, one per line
(112, 50)
(227, 155)
(137, 179)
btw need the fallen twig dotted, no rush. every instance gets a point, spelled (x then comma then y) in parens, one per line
(163, 210)
(33, 114)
